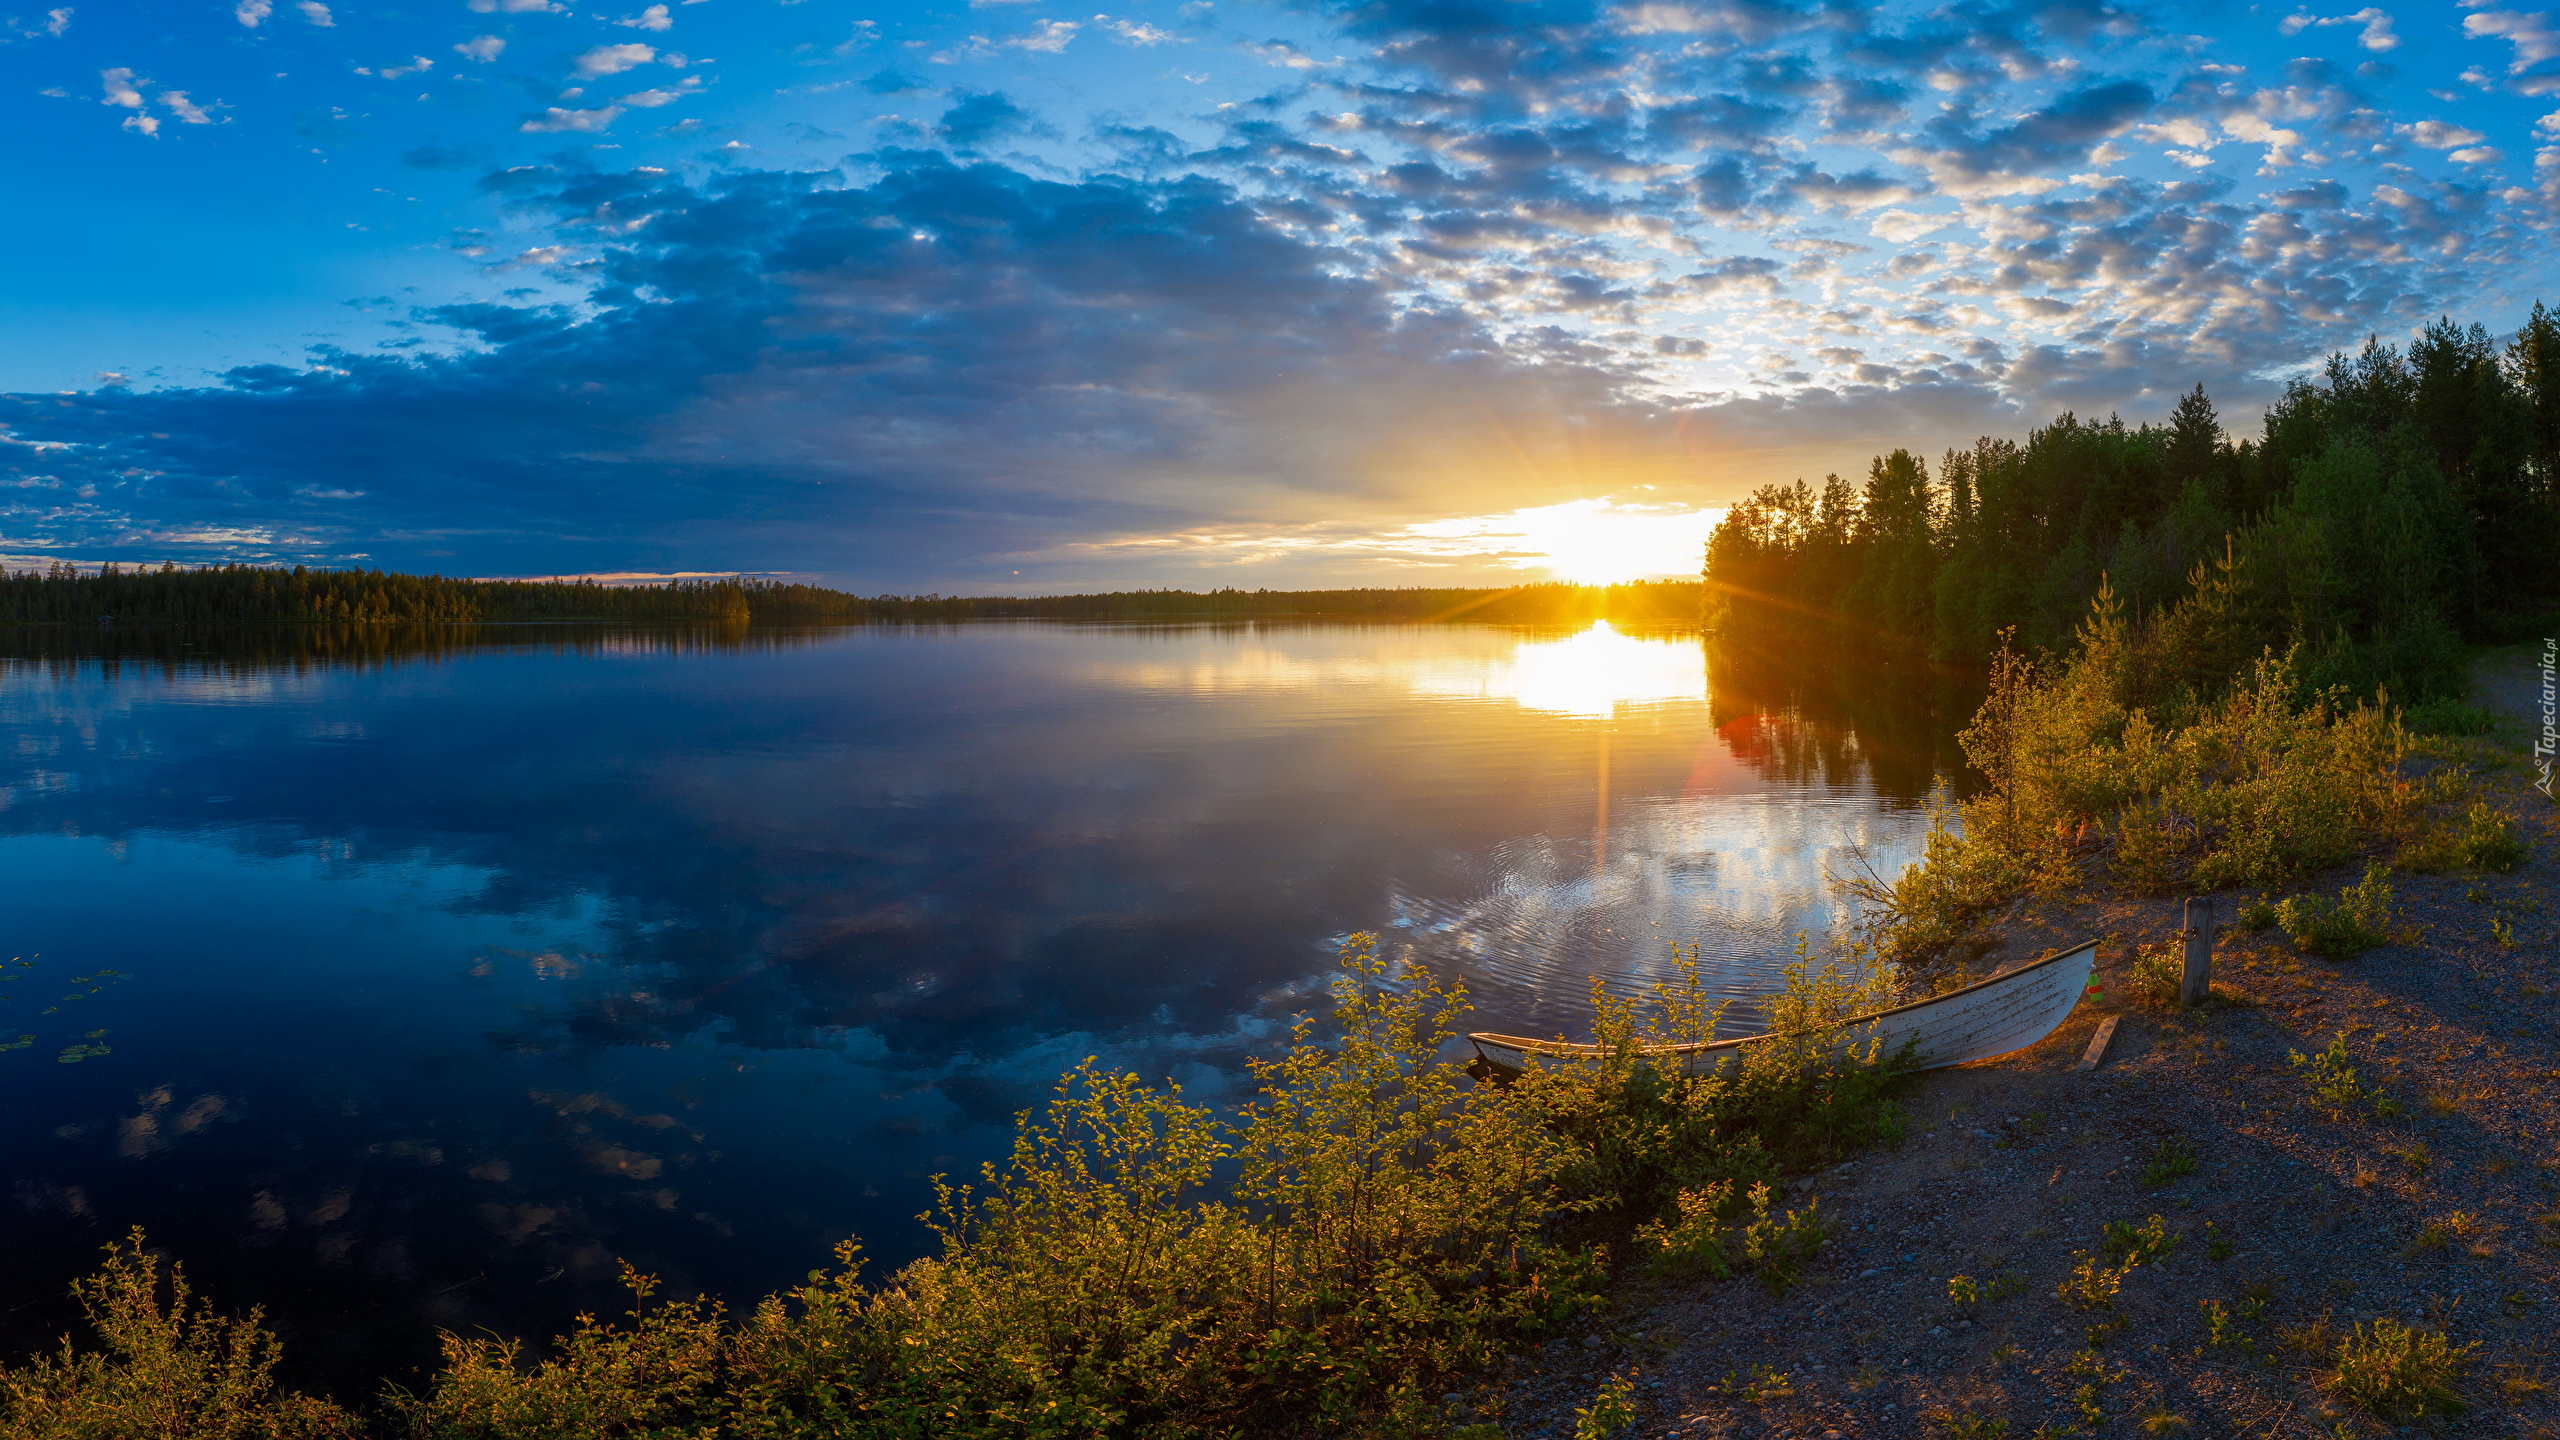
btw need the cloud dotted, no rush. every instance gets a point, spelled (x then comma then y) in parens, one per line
(614, 59)
(1133, 33)
(2437, 135)
(2018, 158)
(316, 13)
(555, 121)
(187, 111)
(483, 48)
(653, 18)
(661, 95)
(2376, 35)
(2535, 41)
(1156, 354)
(253, 13)
(1048, 37)
(119, 88)
(515, 7)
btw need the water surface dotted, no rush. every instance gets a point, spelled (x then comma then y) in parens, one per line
(460, 963)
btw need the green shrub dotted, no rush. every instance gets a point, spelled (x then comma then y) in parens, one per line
(2258, 785)
(2357, 921)
(2448, 716)
(2158, 973)
(2257, 914)
(2144, 1244)
(2398, 1371)
(165, 1371)
(2336, 1089)
(1610, 1412)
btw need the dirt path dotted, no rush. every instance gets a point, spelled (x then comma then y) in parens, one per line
(2297, 1226)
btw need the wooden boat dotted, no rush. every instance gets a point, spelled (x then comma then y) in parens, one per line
(2007, 1012)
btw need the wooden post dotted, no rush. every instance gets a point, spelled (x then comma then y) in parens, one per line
(2197, 984)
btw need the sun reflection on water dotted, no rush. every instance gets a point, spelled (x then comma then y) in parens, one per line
(1590, 674)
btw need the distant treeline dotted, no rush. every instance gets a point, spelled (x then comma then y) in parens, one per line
(2396, 503)
(236, 594)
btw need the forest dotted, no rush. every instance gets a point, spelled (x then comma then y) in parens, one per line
(2393, 505)
(242, 594)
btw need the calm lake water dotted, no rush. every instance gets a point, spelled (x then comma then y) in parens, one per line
(459, 963)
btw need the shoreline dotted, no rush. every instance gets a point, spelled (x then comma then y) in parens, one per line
(2299, 1227)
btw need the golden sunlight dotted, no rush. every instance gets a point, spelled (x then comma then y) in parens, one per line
(1588, 542)
(1590, 673)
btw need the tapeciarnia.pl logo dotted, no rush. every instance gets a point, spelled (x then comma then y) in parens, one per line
(2545, 748)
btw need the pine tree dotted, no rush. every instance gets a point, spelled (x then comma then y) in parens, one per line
(2195, 439)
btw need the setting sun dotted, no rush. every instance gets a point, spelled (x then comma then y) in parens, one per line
(1588, 542)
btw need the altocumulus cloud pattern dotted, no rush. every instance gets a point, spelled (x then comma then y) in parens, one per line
(1015, 295)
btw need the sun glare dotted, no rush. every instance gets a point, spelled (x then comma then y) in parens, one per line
(1588, 542)
(1590, 673)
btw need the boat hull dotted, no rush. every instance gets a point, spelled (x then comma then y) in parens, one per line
(2005, 1013)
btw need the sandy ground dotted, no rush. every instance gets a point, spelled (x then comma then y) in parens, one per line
(2298, 1225)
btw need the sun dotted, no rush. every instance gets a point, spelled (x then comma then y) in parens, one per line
(1587, 542)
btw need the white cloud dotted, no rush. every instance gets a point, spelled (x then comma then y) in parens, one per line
(515, 7)
(2532, 35)
(614, 59)
(57, 21)
(653, 18)
(252, 12)
(2377, 35)
(1135, 33)
(556, 120)
(317, 14)
(2437, 135)
(1049, 37)
(118, 84)
(148, 125)
(187, 111)
(663, 95)
(1901, 227)
(418, 64)
(2478, 155)
(483, 48)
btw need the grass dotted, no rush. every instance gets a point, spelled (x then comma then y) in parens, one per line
(2482, 838)
(1367, 1229)
(2400, 1372)
(2171, 1161)
(2337, 1090)
(2357, 921)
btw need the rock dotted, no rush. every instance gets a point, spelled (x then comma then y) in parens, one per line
(1594, 1342)
(1866, 1274)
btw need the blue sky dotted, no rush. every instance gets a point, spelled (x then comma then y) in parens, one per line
(1025, 296)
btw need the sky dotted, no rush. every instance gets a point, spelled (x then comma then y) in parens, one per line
(1005, 296)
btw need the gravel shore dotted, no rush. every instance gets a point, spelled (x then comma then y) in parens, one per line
(2298, 1226)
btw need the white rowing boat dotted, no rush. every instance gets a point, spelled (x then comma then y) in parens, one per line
(2007, 1012)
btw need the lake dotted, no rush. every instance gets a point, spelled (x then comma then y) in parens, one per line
(460, 963)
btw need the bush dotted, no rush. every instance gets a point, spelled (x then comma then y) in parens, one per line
(2158, 973)
(2357, 921)
(2266, 781)
(2447, 716)
(2336, 1089)
(2398, 1371)
(173, 1371)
